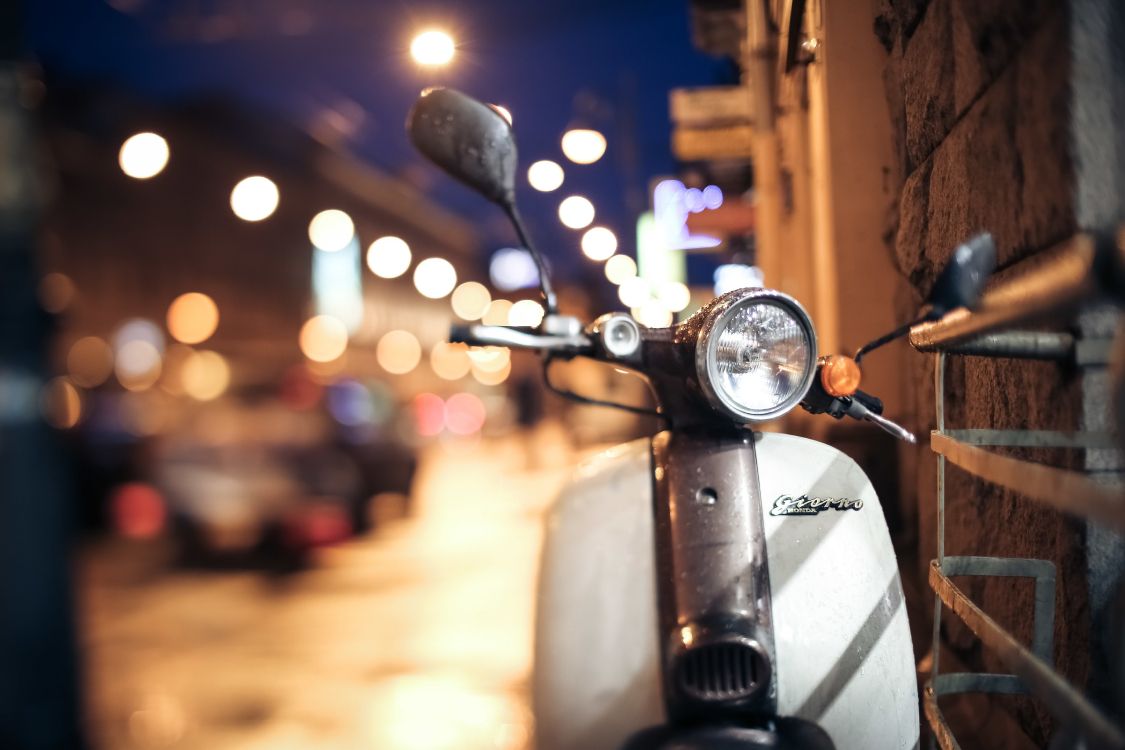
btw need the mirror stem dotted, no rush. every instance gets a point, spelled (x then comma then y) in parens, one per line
(549, 299)
(888, 338)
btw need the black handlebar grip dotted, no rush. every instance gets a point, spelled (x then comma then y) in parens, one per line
(459, 334)
(873, 403)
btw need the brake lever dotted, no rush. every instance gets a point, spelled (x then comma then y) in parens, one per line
(856, 410)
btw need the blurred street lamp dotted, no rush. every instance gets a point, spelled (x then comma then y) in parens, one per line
(526, 312)
(254, 198)
(471, 300)
(599, 243)
(576, 212)
(583, 146)
(545, 175)
(450, 361)
(435, 278)
(673, 295)
(323, 338)
(205, 376)
(432, 48)
(192, 318)
(620, 268)
(143, 155)
(398, 352)
(331, 230)
(388, 257)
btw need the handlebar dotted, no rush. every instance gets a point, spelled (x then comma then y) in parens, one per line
(569, 342)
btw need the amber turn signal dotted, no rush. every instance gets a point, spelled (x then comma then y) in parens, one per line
(839, 375)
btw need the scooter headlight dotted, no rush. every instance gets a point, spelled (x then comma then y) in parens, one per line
(756, 354)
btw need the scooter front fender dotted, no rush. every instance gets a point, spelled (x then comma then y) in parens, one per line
(842, 643)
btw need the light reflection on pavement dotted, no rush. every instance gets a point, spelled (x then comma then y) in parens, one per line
(417, 637)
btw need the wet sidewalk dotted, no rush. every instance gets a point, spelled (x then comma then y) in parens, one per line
(415, 637)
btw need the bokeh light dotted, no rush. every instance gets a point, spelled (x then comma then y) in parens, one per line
(138, 510)
(388, 257)
(653, 313)
(56, 292)
(398, 352)
(432, 47)
(620, 268)
(464, 414)
(429, 414)
(137, 365)
(492, 377)
(545, 175)
(138, 329)
(674, 295)
(599, 243)
(634, 292)
(331, 230)
(583, 146)
(490, 358)
(143, 155)
(450, 361)
(497, 313)
(254, 198)
(323, 338)
(576, 212)
(526, 312)
(192, 318)
(513, 268)
(89, 362)
(471, 300)
(205, 375)
(61, 403)
(435, 278)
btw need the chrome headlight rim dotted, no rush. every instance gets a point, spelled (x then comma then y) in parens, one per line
(724, 308)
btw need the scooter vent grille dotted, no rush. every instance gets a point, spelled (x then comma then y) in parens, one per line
(720, 672)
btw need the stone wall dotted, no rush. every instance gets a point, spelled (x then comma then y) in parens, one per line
(980, 96)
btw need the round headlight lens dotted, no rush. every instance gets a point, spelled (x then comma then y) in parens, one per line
(760, 356)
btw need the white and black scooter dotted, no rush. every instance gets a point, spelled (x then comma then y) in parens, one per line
(711, 587)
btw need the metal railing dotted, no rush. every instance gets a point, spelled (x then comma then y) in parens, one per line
(1082, 270)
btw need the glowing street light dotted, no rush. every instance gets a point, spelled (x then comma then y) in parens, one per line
(526, 312)
(331, 230)
(583, 146)
(545, 175)
(388, 257)
(143, 155)
(471, 300)
(576, 212)
(323, 338)
(254, 198)
(620, 268)
(599, 243)
(192, 318)
(435, 278)
(432, 48)
(398, 352)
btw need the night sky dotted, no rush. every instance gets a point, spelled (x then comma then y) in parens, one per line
(346, 62)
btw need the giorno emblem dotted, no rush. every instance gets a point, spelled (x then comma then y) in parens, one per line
(787, 505)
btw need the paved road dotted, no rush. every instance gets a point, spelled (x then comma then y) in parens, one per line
(415, 638)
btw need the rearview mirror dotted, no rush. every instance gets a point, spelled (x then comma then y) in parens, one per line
(469, 140)
(961, 282)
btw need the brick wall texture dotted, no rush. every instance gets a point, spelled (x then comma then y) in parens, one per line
(979, 95)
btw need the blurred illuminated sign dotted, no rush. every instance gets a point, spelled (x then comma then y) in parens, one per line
(731, 276)
(672, 202)
(655, 261)
(338, 284)
(512, 268)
